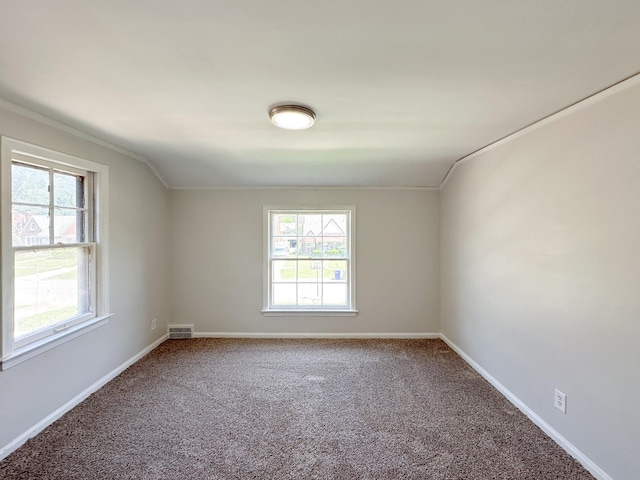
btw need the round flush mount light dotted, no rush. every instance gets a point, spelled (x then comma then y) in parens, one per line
(292, 117)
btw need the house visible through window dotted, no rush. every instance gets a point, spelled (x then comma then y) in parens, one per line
(309, 259)
(53, 258)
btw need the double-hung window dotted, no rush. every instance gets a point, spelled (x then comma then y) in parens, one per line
(309, 260)
(53, 248)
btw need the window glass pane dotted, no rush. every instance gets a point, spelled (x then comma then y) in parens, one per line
(285, 224)
(305, 246)
(283, 247)
(283, 270)
(284, 294)
(68, 190)
(310, 271)
(29, 225)
(29, 184)
(334, 271)
(47, 287)
(334, 225)
(335, 294)
(333, 247)
(310, 225)
(68, 225)
(310, 247)
(309, 294)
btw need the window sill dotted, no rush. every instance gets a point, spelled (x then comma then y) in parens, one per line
(22, 354)
(309, 313)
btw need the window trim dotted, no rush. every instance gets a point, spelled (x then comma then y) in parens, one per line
(11, 352)
(321, 311)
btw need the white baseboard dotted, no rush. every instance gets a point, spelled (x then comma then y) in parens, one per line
(55, 415)
(567, 446)
(312, 335)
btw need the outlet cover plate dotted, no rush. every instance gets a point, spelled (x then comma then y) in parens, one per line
(560, 401)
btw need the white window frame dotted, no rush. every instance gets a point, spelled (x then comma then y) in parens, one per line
(12, 351)
(320, 310)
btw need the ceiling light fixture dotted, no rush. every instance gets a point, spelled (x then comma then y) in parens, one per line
(292, 117)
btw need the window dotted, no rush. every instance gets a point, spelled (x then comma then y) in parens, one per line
(53, 249)
(309, 261)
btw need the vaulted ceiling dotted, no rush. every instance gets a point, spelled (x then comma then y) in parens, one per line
(401, 89)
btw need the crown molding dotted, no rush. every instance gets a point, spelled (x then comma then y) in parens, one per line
(289, 187)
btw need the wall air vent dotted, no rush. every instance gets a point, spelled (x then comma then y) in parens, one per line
(180, 331)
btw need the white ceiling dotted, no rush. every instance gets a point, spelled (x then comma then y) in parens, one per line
(401, 89)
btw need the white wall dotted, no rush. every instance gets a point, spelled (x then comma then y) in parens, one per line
(32, 390)
(541, 273)
(217, 254)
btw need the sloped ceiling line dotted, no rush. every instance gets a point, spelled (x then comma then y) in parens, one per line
(628, 82)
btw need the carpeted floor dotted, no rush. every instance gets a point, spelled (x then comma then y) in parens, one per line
(294, 409)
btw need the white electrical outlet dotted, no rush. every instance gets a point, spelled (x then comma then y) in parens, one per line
(153, 324)
(560, 401)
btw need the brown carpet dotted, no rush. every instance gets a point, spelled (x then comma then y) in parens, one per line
(294, 409)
